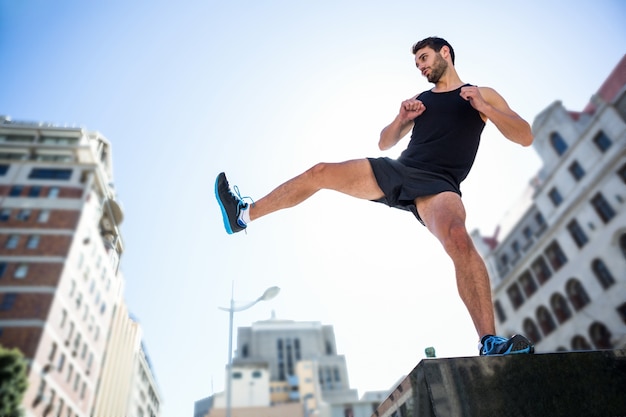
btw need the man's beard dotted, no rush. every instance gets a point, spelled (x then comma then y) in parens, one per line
(439, 67)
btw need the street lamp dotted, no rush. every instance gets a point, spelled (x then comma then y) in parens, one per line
(267, 295)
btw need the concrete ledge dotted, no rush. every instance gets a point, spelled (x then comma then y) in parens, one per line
(552, 384)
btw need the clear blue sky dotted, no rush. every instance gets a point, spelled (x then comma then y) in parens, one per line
(262, 90)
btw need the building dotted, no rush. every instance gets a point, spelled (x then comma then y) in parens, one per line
(292, 369)
(60, 249)
(559, 272)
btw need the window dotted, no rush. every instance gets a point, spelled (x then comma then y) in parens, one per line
(560, 308)
(7, 301)
(622, 173)
(5, 215)
(61, 362)
(602, 141)
(576, 170)
(600, 336)
(602, 207)
(555, 255)
(580, 343)
(558, 144)
(23, 215)
(602, 273)
(53, 192)
(577, 233)
(499, 312)
(546, 322)
(622, 244)
(15, 191)
(4, 168)
(621, 310)
(21, 271)
(516, 248)
(43, 216)
(541, 270)
(576, 294)
(34, 191)
(32, 242)
(555, 197)
(528, 284)
(541, 222)
(59, 140)
(515, 295)
(3, 268)
(19, 139)
(531, 330)
(12, 241)
(53, 352)
(50, 174)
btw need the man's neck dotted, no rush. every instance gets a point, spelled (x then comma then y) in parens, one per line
(448, 82)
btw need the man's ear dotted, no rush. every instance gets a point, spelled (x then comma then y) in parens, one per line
(445, 51)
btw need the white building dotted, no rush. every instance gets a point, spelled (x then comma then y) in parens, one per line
(559, 273)
(291, 369)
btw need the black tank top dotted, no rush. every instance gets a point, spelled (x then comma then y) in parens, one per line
(446, 136)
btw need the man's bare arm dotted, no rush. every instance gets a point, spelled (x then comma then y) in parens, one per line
(402, 124)
(492, 106)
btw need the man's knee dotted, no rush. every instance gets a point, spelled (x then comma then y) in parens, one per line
(455, 239)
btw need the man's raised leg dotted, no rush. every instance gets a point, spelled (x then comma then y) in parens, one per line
(354, 178)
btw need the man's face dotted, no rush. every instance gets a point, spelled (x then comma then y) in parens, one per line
(431, 64)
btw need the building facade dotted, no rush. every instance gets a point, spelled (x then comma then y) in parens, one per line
(559, 273)
(289, 368)
(60, 249)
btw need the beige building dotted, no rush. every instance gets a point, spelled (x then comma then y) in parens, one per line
(60, 248)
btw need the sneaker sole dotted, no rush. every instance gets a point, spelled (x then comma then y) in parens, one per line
(229, 230)
(520, 346)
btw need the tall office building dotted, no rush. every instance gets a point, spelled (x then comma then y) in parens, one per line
(291, 369)
(559, 272)
(60, 249)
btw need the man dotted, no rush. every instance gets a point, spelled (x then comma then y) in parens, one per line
(446, 124)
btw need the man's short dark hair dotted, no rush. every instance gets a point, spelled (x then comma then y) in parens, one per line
(435, 44)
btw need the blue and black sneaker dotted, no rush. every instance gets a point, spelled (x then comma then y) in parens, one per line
(495, 345)
(231, 204)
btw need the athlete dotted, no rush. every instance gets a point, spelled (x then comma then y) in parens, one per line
(446, 124)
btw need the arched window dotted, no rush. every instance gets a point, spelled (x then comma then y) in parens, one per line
(580, 343)
(545, 320)
(602, 273)
(560, 307)
(541, 270)
(558, 144)
(528, 283)
(531, 331)
(576, 294)
(600, 336)
(622, 244)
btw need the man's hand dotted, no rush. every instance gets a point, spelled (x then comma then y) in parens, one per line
(472, 94)
(493, 107)
(402, 124)
(411, 108)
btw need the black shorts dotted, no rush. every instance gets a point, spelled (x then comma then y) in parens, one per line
(402, 184)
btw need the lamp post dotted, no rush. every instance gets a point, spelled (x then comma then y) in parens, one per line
(267, 295)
